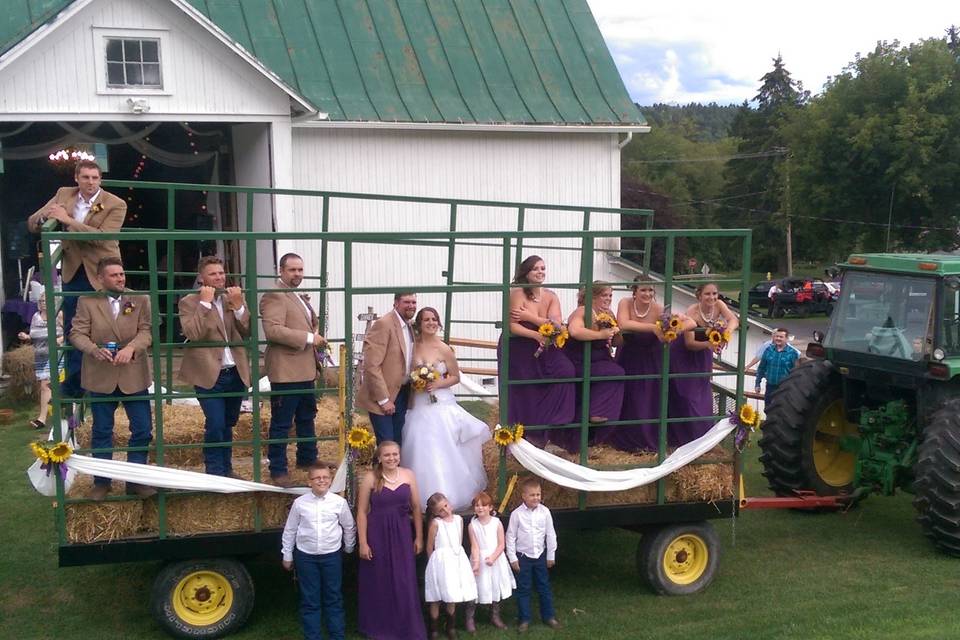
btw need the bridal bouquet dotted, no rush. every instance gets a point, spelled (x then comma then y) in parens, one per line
(670, 326)
(604, 320)
(421, 376)
(556, 336)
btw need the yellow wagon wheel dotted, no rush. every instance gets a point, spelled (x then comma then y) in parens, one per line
(679, 559)
(202, 598)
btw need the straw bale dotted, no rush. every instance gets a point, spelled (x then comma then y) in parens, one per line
(101, 521)
(19, 365)
(183, 424)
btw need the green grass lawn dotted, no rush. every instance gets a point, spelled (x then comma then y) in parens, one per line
(865, 574)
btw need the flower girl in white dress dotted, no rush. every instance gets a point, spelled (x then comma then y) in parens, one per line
(495, 581)
(442, 443)
(449, 576)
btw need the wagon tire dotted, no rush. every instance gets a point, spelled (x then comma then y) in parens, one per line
(679, 559)
(202, 598)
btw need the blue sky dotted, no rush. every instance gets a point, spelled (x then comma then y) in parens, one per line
(697, 51)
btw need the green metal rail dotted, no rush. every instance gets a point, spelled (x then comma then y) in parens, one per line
(511, 243)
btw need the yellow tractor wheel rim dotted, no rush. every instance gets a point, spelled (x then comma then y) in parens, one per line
(202, 598)
(685, 559)
(834, 466)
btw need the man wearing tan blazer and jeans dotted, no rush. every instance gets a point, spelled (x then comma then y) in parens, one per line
(115, 373)
(387, 356)
(291, 327)
(212, 316)
(83, 208)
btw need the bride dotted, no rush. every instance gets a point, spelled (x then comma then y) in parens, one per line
(442, 443)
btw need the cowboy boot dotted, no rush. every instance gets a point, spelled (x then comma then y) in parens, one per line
(495, 619)
(452, 626)
(469, 623)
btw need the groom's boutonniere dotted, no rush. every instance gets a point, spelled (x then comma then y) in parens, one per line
(97, 208)
(128, 308)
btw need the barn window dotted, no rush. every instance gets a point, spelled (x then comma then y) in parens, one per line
(133, 63)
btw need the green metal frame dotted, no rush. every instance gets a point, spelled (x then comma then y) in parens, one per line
(511, 242)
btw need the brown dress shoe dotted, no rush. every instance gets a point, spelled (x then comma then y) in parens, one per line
(553, 623)
(140, 490)
(284, 481)
(98, 492)
(522, 627)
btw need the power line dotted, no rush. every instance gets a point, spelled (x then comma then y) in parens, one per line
(738, 156)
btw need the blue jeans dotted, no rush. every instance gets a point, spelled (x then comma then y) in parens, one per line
(221, 417)
(283, 410)
(391, 427)
(767, 393)
(71, 385)
(320, 578)
(533, 572)
(141, 427)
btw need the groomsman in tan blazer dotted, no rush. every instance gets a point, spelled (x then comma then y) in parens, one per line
(117, 373)
(85, 208)
(216, 314)
(387, 355)
(291, 327)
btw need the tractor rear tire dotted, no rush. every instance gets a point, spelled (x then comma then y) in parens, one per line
(937, 485)
(802, 431)
(202, 598)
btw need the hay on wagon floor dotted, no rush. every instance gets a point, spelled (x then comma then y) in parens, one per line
(101, 521)
(183, 424)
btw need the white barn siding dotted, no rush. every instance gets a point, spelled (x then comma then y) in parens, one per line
(573, 169)
(57, 77)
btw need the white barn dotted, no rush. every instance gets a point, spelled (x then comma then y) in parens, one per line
(465, 99)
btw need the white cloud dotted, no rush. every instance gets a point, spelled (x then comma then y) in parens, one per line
(720, 50)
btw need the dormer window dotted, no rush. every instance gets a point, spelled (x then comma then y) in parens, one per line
(133, 63)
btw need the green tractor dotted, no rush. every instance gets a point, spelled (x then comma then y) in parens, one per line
(877, 408)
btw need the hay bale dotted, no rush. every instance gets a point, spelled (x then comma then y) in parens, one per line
(183, 424)
(102, 521)
(19, 365)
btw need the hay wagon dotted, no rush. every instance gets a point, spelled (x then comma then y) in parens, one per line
(203, 589)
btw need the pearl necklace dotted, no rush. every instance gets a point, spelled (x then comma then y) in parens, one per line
(636, 311)
(395, 478)
(534, 297)
(713, 316)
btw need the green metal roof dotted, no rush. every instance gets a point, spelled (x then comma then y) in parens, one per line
(906, 263)
(471, 61)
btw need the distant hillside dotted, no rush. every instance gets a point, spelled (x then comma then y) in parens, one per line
(698, 122)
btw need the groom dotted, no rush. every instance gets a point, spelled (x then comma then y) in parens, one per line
(387, 356)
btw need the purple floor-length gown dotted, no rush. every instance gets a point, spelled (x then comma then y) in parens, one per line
(689, 397)
(641, 354)
(606, 398)
(389, 597)
(539, 403)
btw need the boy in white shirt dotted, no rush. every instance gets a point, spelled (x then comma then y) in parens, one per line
(531, 548)
(319, 525)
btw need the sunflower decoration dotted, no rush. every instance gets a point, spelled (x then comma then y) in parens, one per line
(60, 452)
(670, 326)
(747, 419)
(40, 451)
(547, 329)
(555, 335)
(503, 436)
(360, 438)
(715, 338)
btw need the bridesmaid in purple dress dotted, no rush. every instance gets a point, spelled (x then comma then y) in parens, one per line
(540, 404)
(641, 354)
(606, 398)
(390, 531)
(692, 397)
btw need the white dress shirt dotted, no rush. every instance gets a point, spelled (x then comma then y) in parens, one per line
(83, 207)
(530, 532)
(114, 306)
(317, 525)
(228, 360)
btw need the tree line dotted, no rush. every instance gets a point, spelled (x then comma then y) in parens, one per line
(872, 163)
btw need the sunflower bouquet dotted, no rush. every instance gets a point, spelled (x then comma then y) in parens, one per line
(422, 376)
(325, 356)
(670, 326)
(556, 335)
(505, 436)
(360, 443)
(748, 420)
(52, 455)
(718, 335)
(604, 320)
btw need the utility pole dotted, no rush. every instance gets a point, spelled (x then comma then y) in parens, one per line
(787, 211)
(890, 216)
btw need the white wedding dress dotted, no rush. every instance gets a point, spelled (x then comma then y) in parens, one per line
(442, 444)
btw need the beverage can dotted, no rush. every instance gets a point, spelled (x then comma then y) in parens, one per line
(112, 347)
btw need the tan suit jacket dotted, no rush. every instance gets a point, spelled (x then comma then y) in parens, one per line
(288, 357)
(106, 215)
(201, 366)
(384, 363)
(94, 326)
